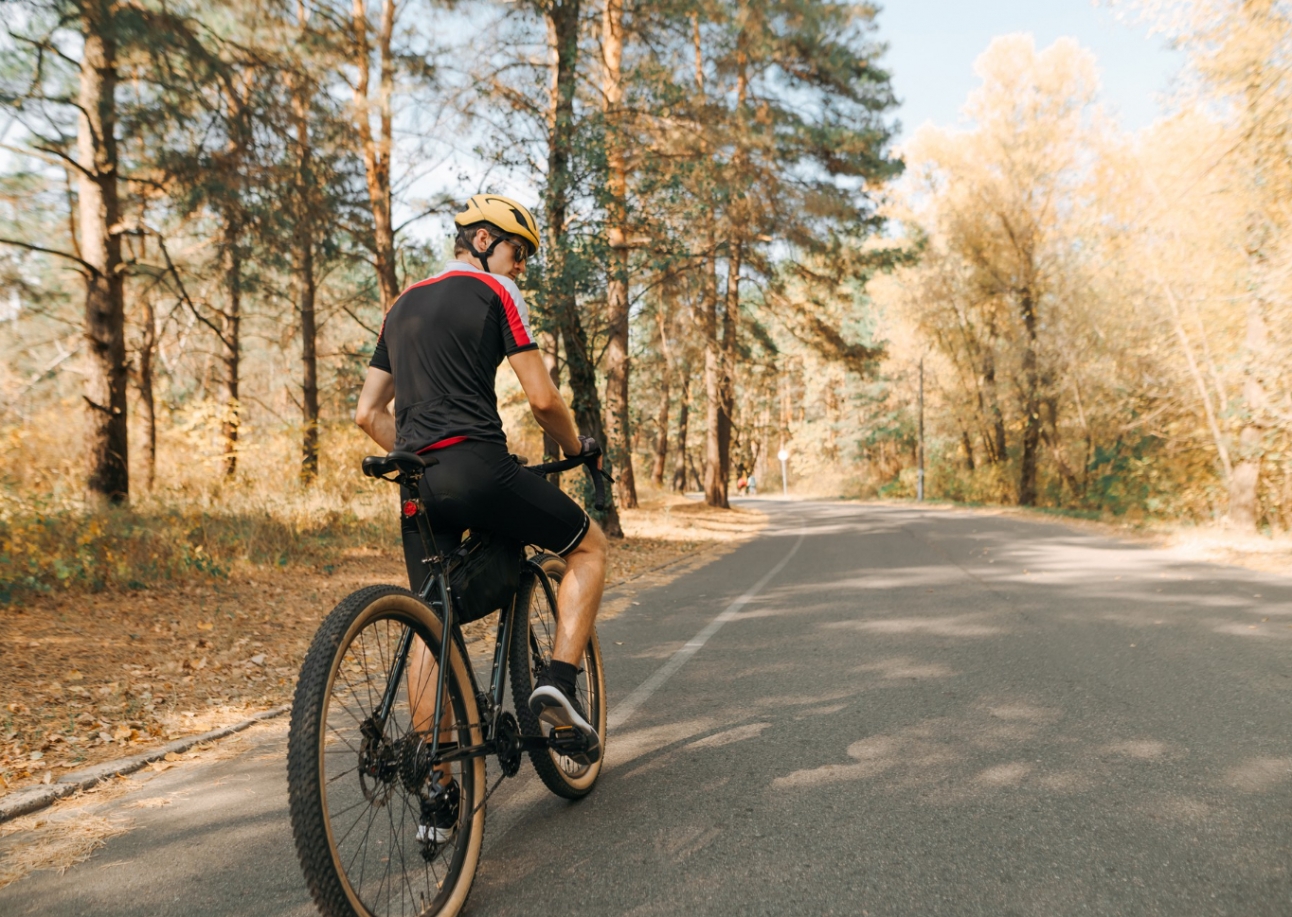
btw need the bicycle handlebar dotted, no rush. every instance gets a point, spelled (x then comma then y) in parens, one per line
(599, 475)
(401, 464)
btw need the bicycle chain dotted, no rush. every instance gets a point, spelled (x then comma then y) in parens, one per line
(486, 797)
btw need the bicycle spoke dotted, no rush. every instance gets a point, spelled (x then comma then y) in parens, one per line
(359, 772)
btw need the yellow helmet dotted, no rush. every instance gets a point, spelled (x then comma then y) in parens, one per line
(511, 217)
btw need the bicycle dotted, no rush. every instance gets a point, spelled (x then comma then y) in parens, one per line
(361, 761)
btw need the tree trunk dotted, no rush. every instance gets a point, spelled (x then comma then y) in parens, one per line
(309, 364)
(563, 41)
(306, 284)
(661, 435)
(736, 218)
(997, 448)
(1031, 406)
(715, 484)
(107, 375)
(683, 416)
(967, 444)
(549, 345)
(727, 383)
(1244, 483)
(618, 362)
(377, 150)
(231, 350)
(147, 397)
(666, 311)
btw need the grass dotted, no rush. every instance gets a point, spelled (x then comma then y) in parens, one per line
(66, 550)
(198, 524)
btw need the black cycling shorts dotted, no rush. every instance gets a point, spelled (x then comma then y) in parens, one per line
(478, 485)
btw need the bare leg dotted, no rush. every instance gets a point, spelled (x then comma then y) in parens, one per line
(579, 597)
(422, 670)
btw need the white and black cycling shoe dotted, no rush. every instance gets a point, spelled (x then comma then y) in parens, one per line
(560, 711)
(440, 814)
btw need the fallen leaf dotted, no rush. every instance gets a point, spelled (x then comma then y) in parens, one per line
(173, 756)
(206, 625)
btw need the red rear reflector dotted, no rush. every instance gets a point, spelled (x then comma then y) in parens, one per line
(410, 508)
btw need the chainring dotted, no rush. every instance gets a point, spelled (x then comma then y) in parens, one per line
(507, 741)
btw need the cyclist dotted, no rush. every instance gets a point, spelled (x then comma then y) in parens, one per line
(436, 357)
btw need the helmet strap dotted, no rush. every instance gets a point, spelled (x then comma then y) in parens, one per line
(484, 256)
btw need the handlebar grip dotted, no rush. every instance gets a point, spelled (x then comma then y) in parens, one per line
(598, 487)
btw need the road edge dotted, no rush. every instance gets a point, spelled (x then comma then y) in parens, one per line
(33, 799)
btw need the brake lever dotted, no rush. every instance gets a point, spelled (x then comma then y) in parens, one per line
(599, 478)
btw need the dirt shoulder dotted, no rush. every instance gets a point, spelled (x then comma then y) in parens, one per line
(91, 678)
(1203, 543)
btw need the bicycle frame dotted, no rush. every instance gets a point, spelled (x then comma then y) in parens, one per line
(435, 593)
(437, 582)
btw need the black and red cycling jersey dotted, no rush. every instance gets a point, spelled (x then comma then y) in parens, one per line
(443, 341)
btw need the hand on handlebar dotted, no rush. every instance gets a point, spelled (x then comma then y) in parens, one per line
(590, 448)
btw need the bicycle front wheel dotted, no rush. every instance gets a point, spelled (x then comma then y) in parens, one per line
(361, 789)
(533, 638)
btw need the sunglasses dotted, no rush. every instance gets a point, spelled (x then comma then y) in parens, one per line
(520, 251)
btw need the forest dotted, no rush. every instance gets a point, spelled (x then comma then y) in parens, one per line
(206, 209)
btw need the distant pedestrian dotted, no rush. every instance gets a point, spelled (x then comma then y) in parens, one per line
(751, 486)
(742, 482)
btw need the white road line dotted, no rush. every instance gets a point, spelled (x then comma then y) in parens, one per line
(532, 791)
(628, 706)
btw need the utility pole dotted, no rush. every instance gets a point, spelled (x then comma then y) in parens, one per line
(919, 474)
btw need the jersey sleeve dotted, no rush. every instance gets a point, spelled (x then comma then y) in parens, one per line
(516, 333)
(380, 354)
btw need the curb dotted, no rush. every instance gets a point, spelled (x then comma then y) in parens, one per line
(33, 799)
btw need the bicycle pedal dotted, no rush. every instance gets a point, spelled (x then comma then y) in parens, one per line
(567, 739)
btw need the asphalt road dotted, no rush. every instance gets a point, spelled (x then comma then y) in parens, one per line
(921, 712)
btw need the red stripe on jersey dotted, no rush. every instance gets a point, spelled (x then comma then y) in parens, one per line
(443, 444)
(508, 304)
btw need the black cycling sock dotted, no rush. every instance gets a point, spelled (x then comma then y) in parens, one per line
(564, 676)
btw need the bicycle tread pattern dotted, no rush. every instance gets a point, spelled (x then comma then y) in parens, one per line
(522, 684)
(303, 777)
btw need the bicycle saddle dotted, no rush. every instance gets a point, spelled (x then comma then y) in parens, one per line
(378, 466)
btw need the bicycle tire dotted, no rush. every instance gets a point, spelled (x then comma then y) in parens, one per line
(315, 746)
(535, 615)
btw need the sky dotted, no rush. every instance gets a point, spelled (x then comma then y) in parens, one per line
(933, 44)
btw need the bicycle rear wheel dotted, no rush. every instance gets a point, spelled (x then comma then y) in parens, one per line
(357, 787)
(533, 638)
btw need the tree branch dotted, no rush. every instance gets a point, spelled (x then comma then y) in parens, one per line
(51, 251)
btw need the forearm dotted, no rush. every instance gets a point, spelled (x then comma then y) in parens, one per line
(380, 425)
(373, 411)
(557, 423)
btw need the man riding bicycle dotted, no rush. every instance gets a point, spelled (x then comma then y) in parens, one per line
(436, 357)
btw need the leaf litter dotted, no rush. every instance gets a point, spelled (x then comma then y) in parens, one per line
(97, 677)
